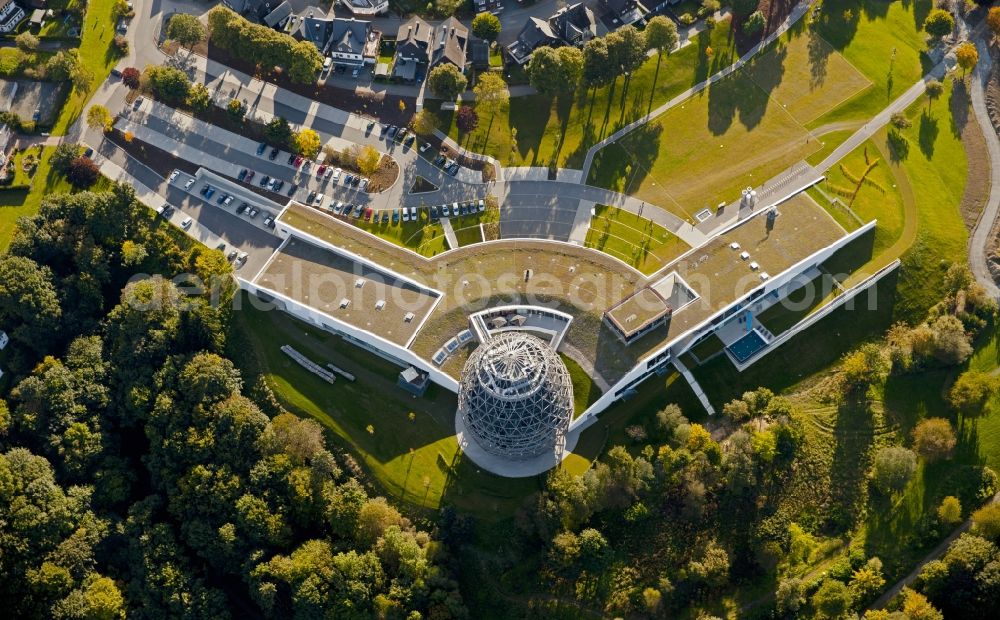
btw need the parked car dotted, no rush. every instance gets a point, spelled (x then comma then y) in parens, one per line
(318, 200)
(291, 190)
(333, 174)
(297, 162)
(440, 160)
(138, 103)
(338, 207)
(189, 183)
(249, 176)
(358, 209)
(228, 201)
(406, 214)
(241, 258)
(409, 141)
(232, 255)
(368, 214)
(167, 211)
(482, 205)
(453, 169)
(444, 211)
(173, 175)
(355, 181)
(242, 175)
(274, 154)
(204, 189)
(264, 180)
(306, 165)
(385, 217)
(291, 158)
(243, 207)
(221, 199)
(272, 184)
(253, 212)
(269, 221)
(364, 185)
(278, 187)
(321, 170)
(348, 178)
(434, 214)
(310, 197)
(210, 192)
(395, 217)
(186, 223)
(261, 148)
(425, 146)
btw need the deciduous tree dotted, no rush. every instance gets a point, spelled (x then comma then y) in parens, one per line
(491, 93)
(446, 81)
(661, 34)
(486, 26)
(98, 117)
(967, 56)
(368, 160)
(307, 143)
(894, 467)
(186, 29)
(934, 439)
(466, 119)
(939, 23)
(950, 511)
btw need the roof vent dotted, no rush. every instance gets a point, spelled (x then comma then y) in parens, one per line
(380, 304)
(360, 282)
(344, 303)
(408, 318)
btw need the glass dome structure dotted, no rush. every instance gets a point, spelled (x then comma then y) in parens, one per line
(516, 396)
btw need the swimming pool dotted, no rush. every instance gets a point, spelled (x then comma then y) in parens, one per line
(747, 346)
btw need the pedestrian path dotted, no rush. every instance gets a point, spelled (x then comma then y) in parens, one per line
(981, 234)
(581, 223)
(449, 233)
(695, 387)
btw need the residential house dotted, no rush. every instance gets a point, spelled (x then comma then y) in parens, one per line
(366, 7)
(318, 30)
(278, 16)
(420, 47)
(11, 14)
(449, 43)
(254, 10)
(479, 53)
(571, 25)
(353, 42)
(488, 6)
(622, 12)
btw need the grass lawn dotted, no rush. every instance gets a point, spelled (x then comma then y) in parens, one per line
(416, 461)
(13, 62)
(884, 41)
(14, 204)
(424, 237)
(645, 245)
(934, 162)
(563, 128)
(878, 196)
(585, 391)
(742, 131)
(97, 54)
(468, 235)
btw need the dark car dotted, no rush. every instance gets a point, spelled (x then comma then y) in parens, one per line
(434, 214)
(242, 175)
(249, 176)
(355, 181)
(264, 179)
(278, 187)
(269, 222)
(89, 152)
(116, 73)
(395, 216)
(204, 190)
(167, 211)
(453, 169)
(310, 197)
(385, 217)
(274, 153)
(440, 159)
(291, 159)
(292, 189)
(221, 198)
(261, 148)
(243, 207)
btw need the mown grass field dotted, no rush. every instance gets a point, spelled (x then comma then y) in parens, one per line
(884, 41)
(97, 54)
(872, 196)
(642, 243)
(742, 131)
(424, 237)
(562, 128)
(17, 203)
(585, 391)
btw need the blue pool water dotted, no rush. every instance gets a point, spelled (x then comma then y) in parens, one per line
(745, 348)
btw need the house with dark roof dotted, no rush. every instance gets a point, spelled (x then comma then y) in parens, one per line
(353, 42)
(621, 12)
(571, 25)
(318, 30)
(479, 53)
(420, 46)
(278, 16)
(488, 6)
(449, 43)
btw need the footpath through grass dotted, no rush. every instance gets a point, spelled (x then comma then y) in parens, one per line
(641, 243)
(538, 129)
(97, 54)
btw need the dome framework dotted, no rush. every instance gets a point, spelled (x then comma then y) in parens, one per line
(516, 396)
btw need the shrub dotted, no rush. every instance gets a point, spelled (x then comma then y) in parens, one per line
(467, 119)
(893, 469)
(934, 439)
(939, 23)
(986, 522)
(755, 23)
(950, 511)
(83, 172)
(130, 77)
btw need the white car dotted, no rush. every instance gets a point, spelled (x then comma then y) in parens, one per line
(363, 186)
(228, 201)
(189, 183)
(186, 223)
(333, 173)
(444, 211)
(406, 214)
(413, 214)
(454, 209)
(318, 200)
(425, 146)
(173, 175)
(482, 205)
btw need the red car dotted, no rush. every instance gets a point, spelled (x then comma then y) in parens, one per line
(249, 176)
(321, 170)
(368, 214)
(298, 161)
